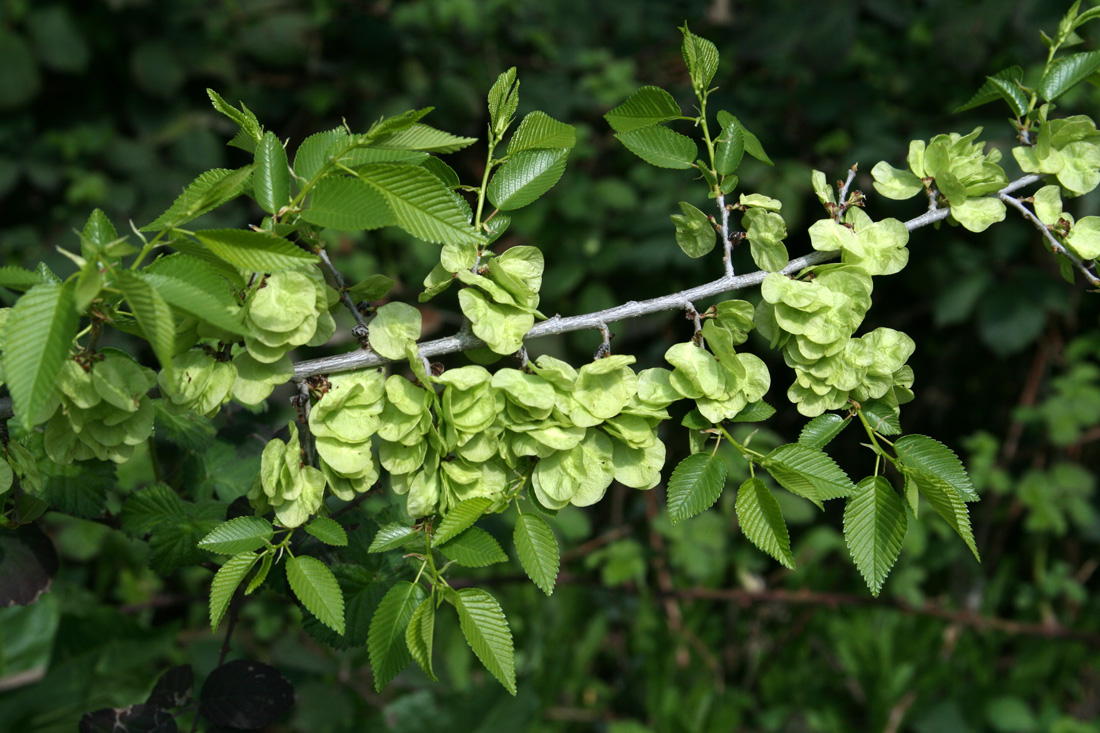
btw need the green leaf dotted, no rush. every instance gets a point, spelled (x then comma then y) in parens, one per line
(392, 536)
(36, 341)
(312, 155)
(1067, 72)
(421, 204)
(255, 251)
(250, 132)
(695, 484)
(1005, 84)
(645, 107)
(16, 278)
(807, 472)
(261, 574)
(316, 587)
(486, 631)
(756, 412)
(820, 431)
(243, 534)
(271, 179)
(538, 552)
(442, 171)
(694, 232)
(347, 205)
(934, 461)
(386, 643)
(701, 58)
(462, 515)
(946, 501)
(752, 142)
(526, 176)
(328, 531)
(195, 287)
(419, 636)
(540, 131)
(225, 583)
(874, 528)
(474, 548)
(882, 417)
(503, 100)
(661, 147)
(762, 521)
(395, 326)
(206, 193)
(98, 230)
(422, 138)
(730, 149)
(374, 287)
(148, 508)
(152, 314)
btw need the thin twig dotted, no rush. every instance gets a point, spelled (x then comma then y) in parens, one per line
(464, 340)
(340, 285)
(1055, 246)
(727, 243)
(842, 197)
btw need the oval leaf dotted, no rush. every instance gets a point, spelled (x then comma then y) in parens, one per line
(347, 205)
(762, 521)
(820, 431)
(225, 583)
(695, 484)
(255, 251)
(486, 631)
(538, 551)
(328, 531)
(474, 548)
(316, 587)
(243, 534)
(526, 176)
(420, 634)
(661, 147)
(271, 179)
(461, 516)
(874, 528)
(645, 107)
(386, 643)
(391, 537)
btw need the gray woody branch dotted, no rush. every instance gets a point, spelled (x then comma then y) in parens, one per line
(464, 340)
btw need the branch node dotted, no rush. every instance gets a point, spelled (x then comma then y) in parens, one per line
(605, 348)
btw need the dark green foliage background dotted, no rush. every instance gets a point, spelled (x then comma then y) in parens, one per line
(102, 104)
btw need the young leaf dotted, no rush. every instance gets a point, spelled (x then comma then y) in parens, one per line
(419, 635)
(820, 431)
(526, 176)
(1067, 72)
(98, 231)
(255, 251)
(250, 132)
(661, 147)
(316, 587)
(195, 287)
(730, 149)
(374, 287)
(755, 412)
(152, 314)
(486, 631)
(16, 278)
(503, 100)
(261, 574)
(207, 192)
(946, 501)
(999, 86)
(874, 528)
(695, 484)
(644, 108)
(391, 537)
(701, 57)
(538, 552)
(807, 472)
(347, 205)
(423, 138)
(540, 131)
(882, 416)
(694, 232)
(36, 341)
(312, 154)
(421, 204)
(762, 521)
(271, 179)
(386, 642)
(474, 548)
(243, 534)
(752, 142)
(225, 584)
(934, 461)
(461, 516)
(328, 531)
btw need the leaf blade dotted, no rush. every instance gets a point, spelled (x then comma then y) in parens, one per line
(315, 586)
(486, 630)
(241, 534)
(225, 583)
(695, 484)
(387, 648)
(762, 521)
(538, 551)
(874, 529)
